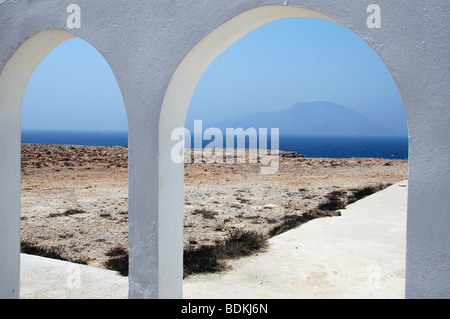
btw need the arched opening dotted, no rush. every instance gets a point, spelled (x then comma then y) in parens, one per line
(63, 149)
(192, 68)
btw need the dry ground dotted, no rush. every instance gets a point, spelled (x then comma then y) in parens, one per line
(75, 198)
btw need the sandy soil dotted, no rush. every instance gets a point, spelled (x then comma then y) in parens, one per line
(75, 198)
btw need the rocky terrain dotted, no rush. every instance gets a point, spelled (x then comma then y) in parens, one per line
(75, 198)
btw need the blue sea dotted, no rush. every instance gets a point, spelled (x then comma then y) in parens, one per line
(75, 138)
(347, 147)
(310, 146)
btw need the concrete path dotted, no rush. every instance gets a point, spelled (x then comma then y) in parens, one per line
(360, 254)
(44, 278)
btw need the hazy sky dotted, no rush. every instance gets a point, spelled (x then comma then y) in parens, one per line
(279, 64)
(74, 89)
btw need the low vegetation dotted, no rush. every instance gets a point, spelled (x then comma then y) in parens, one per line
(48, 252)
(68, 212)
(205, 213)
(366, 191)
(211, 258)
(207, 258)
(118, 261)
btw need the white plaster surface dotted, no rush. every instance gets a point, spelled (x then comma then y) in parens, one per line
(147, 43)
(44, 278)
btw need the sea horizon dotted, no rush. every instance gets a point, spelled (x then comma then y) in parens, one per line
(395, 147)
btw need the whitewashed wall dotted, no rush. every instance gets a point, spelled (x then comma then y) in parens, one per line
(158, 50)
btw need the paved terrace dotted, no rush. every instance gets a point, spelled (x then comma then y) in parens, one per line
(360, 254)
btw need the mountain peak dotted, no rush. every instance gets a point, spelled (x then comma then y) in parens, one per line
(316, 118)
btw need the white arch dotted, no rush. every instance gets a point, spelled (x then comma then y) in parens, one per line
(13, 83)
(173, 115)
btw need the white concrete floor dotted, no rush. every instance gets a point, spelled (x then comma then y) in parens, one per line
(360, 254)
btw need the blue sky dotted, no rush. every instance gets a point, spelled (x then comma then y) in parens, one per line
(74, 89)
(272, 68)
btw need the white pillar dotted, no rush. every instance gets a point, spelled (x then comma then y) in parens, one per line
(13, 83)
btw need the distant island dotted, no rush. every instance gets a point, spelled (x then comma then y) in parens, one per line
(319, 118)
